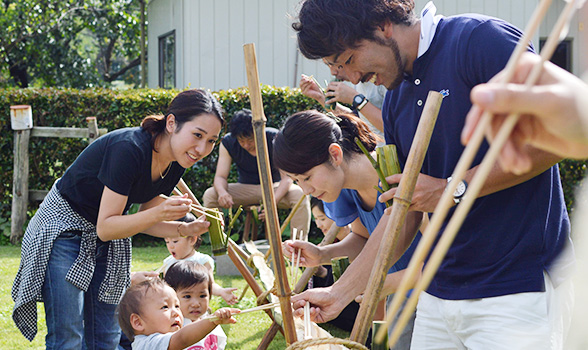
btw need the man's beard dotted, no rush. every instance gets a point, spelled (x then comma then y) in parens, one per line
(393, 45)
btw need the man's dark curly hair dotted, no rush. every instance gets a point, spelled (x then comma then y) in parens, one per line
(329, 27)
(241, 124)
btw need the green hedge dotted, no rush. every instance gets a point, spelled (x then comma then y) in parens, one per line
(116, 109)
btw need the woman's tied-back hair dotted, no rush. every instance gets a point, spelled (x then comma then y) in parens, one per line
(304, 140)
(132, 302)
(185, 107)
(329, 27)
(185, 274)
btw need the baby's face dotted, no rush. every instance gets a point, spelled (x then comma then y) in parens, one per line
(161, 311)
(180, 247)
(194, 300)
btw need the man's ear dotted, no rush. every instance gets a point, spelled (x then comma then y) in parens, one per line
(386, 29)
(137, 323)
(170, 123)
(336, 153)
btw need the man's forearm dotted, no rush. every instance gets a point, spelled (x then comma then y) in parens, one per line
(221, 185)
(355, 278)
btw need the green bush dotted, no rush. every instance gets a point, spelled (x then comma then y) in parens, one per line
(117, 109)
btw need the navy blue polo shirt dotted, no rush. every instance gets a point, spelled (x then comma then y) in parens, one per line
(510, 237)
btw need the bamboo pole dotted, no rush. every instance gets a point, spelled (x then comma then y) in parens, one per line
(282, 229)
(402, 201)
(476, 183)
(265, 177)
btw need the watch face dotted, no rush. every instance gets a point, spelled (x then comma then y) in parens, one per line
(460, 190)
(358, 99)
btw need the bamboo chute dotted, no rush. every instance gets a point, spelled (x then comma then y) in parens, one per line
(402, 201)
(477, 181)
(265, 177)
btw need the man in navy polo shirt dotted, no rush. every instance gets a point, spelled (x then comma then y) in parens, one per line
(496, 288)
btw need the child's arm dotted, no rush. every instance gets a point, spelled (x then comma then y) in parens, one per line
(196, 331)
(225, 293)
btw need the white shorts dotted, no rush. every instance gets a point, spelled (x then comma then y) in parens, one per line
(537, 320)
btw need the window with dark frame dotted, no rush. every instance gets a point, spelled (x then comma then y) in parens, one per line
(562, 56)
(167, 60)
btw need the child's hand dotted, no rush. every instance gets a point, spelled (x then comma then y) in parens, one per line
(225, 315)
(228, 296)
(140, 276)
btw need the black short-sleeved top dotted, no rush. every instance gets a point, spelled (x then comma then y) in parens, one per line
(121, 161)
(246, 163)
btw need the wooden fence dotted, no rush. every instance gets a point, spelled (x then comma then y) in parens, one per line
(22, 123)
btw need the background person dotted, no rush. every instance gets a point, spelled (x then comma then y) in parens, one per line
(366, 99)
(239, 146)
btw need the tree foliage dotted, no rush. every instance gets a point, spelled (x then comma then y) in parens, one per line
(68, 43)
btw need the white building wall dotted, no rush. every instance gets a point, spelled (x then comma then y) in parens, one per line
(210, 35)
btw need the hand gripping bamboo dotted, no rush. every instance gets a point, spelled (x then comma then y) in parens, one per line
(477, 181)
(265, 177)
(402, 201)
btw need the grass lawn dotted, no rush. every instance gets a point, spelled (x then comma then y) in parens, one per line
(245, 334)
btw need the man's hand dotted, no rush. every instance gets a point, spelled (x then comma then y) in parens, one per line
(338, 91)
(226, 200)
(324, 305)
(554, 114)
(309, 89)
(427, 192)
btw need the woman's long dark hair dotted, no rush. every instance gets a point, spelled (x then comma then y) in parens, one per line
(304, 140)
(185, 106)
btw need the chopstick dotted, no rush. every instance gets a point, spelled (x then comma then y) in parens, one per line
(253, 309)
(195, 208)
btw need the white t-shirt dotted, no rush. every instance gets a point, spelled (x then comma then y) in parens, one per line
(197, 257)
(215, 340)
(155, 341)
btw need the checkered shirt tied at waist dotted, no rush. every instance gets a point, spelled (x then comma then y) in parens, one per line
(54, 217)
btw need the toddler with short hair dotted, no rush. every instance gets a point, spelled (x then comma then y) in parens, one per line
(149, 314)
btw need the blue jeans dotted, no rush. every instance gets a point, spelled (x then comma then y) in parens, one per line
(76, 319)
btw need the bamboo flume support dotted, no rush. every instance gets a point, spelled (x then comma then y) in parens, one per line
(477, 181)
(282, 229)
(402, 201)
(265, 177)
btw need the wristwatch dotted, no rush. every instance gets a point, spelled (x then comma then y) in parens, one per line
(359, 101)
(459, 191)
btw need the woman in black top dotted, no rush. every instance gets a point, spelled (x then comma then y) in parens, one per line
(76, 251)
